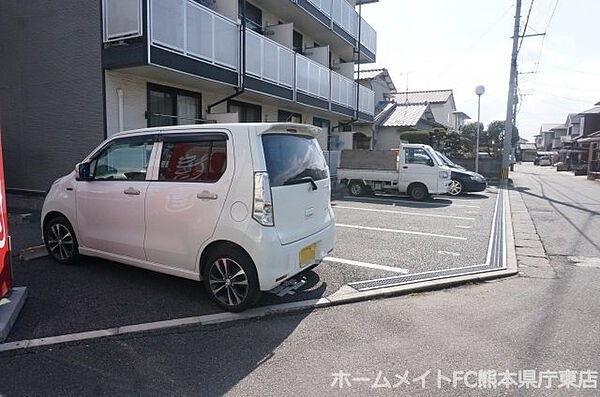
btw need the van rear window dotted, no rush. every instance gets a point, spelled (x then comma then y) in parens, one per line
(291, 157)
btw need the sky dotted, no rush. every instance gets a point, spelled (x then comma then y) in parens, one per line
(441, 44)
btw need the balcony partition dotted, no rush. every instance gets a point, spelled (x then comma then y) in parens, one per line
(269, 60)
(122, 19)
(343, 90)
(196, 31)
(312, 77)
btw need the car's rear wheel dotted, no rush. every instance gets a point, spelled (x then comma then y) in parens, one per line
(356, 188)
(60, 241)
(418, 192)
(230, 279)
(455, 188)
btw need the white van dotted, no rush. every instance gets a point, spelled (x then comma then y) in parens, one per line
(243, 207)
(413, 169)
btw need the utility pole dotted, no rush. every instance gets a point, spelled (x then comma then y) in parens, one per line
(512, 92)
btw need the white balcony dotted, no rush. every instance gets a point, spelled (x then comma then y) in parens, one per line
(366, 100)
(312, 77)
(193, 30)
(185, 36)
(269, 60)
(368, 36)
(343, 90)
(344, 14)
(323, 5)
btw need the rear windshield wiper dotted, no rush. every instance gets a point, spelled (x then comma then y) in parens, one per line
(306, 179)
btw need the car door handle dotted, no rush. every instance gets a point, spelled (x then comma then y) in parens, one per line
(131, 191)
(206, 195)
(405, 166)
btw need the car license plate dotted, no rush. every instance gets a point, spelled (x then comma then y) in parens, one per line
(307, 255)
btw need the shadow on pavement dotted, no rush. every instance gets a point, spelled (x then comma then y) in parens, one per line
(398, 201)
(99, 294)
(204, 361)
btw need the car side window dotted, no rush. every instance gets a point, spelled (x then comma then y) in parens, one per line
(416, 156)
(193, 161)
(125, 159)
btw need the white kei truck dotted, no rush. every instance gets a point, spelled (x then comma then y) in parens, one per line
(412, 169)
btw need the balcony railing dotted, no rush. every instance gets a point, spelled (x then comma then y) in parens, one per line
(343, 90)
(269, 60)
(312, 77)
(323, 5)
(194, 30)
(122, 19)
(344, 14)
(368, 36)
(366, 100)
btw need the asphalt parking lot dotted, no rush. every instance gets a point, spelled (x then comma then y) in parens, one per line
(376, 237)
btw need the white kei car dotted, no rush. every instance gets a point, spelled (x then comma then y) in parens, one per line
(243, 207)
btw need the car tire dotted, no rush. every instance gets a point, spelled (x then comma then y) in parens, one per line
(455, 188)
(231, 280)
(60, 241)
(356, 188)
(418, 193)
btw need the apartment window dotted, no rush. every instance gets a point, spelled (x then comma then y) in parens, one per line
(247, 112)
(297, 41)
(172, 106)
(283, 116)
(253, 15)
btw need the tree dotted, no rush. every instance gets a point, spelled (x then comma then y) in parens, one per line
(495, 137)
(470, 129)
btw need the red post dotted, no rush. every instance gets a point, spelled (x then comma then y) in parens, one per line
(5, 272)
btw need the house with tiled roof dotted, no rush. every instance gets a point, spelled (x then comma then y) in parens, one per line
(393, 118)
(379, 81)
(441, 102)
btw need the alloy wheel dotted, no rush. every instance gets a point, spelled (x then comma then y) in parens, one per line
(228, 282)
(455, 188)
(60, 242)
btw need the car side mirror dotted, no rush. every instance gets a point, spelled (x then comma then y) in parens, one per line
(430, 163)
(83, 171)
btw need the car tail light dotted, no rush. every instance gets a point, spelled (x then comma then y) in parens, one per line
(262, 210)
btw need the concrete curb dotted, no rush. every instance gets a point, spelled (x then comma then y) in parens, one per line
(10, 306)
(338, 298)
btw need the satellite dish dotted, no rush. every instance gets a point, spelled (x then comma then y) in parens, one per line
(480, 90)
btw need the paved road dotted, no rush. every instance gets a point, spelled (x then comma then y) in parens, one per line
(521, 323)
(564, 208)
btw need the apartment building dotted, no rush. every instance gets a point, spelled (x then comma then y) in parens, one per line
(78, 72)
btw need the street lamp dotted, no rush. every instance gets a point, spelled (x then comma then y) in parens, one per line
(479, 90)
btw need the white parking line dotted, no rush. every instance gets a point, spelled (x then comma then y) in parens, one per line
(369, 265)
(378, 229)
(404, 213)
(448, 253)
(465, 206)
(463, 227)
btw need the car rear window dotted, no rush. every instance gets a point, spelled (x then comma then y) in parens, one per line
(291, 157)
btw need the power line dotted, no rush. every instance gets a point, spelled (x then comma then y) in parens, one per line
(571, 70)
(480, 39)
(526, 23)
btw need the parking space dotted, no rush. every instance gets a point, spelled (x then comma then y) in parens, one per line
(376, 237)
